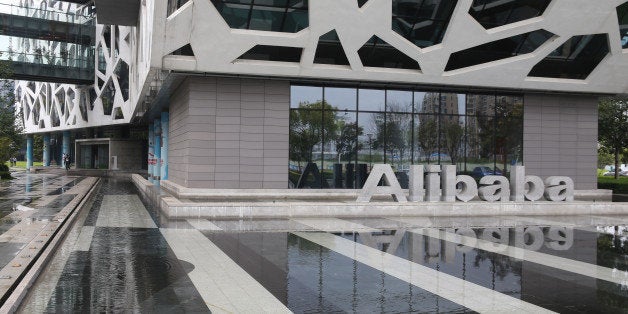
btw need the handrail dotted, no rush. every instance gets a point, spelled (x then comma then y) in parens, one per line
(38, 13)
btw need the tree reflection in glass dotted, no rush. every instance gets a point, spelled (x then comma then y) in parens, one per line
(508, 131)
(310, 125)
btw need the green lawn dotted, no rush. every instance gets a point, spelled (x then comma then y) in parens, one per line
(22, 164)
(618, 186)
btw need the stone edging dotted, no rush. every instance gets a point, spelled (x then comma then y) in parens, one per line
(172, 207)
(57, 228)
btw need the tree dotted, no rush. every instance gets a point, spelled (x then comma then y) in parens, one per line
(613, 126)
(347, 144)
(393, 131)
(508, 126)
(308, 125)
(11, 137)
(452, 136)
(427, 137)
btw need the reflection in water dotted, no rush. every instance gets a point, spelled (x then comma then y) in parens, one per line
(29, 182)
(311, 278)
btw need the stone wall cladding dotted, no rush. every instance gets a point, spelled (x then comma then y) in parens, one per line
(127, 152)
(229, 133)
(560, 137)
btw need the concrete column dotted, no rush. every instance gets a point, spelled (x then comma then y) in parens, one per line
(157, 149)
(29, 152)
(151, 151)
(46, 150)
(165, 128)
(65, 148)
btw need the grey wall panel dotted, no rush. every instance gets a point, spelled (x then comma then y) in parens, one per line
(230, 133)
(560, 137)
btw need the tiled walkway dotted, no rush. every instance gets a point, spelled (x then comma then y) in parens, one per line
(122, 256)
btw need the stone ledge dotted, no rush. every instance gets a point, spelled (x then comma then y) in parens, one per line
(598, 195)
(174, 208)
(182, 192)
(283, 203)
(257, 194)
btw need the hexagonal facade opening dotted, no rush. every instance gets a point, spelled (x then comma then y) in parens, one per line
(496, 13)
(274, 16)
(423, 22)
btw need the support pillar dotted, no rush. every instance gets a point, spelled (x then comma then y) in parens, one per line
(151, 151)
(46, 150)
(157, 150)
(165, 128)
(29, 152)
(65, 148)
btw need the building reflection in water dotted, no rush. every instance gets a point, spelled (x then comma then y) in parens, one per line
(309, 277)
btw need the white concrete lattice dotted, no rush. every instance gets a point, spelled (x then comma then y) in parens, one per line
(147, 49)
(55, 106)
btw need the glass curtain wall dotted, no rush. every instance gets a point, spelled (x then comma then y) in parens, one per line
(337, 134)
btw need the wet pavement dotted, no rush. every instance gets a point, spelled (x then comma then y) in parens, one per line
(123, 256)
(46, 193)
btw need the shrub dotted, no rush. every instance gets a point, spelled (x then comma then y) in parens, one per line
(619, 186)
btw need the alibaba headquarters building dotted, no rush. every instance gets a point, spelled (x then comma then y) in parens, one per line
(275, 94)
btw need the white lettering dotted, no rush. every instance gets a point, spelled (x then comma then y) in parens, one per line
(427, 184)
(371, 187)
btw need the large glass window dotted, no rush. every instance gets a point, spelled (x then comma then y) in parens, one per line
(575, 59)
(265, 15)
(338, 134)
(622, 18)
(423, 22)
(495, 13)
(498, 50)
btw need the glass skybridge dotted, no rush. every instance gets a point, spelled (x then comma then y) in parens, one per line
(47, 45)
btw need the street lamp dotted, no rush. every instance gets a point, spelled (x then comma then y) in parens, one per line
(370, 136)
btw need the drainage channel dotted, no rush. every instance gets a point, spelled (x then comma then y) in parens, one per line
(24, 268)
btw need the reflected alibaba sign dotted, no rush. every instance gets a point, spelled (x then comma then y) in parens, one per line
(432, 183)
(529, 238)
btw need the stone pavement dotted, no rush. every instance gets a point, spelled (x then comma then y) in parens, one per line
(32, 229)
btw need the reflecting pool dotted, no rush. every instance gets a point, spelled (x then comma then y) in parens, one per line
(124, 256)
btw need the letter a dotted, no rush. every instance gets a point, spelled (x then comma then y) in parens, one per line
(559, 189)
(379, 172)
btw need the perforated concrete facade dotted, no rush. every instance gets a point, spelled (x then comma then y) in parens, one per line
(229, 133)
(560, 137)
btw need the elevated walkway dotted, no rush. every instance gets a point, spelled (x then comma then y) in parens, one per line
(72, 29)
(59, 46)
(73, 71)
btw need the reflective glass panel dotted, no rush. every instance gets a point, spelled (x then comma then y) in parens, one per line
(452, 131)
(278, 16)
(329, 50)
(508, 131)
(575, 59)
(341, 98)
(495, 13)
(398, 101)
(344, 146)
(423, 22)
(622, 17)
(273, 53)
(335, 145)
(306, 138)
(498, 50)
(426, 138)
(371, 100)
(371, 153)
(378, 53)
(301, 95)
